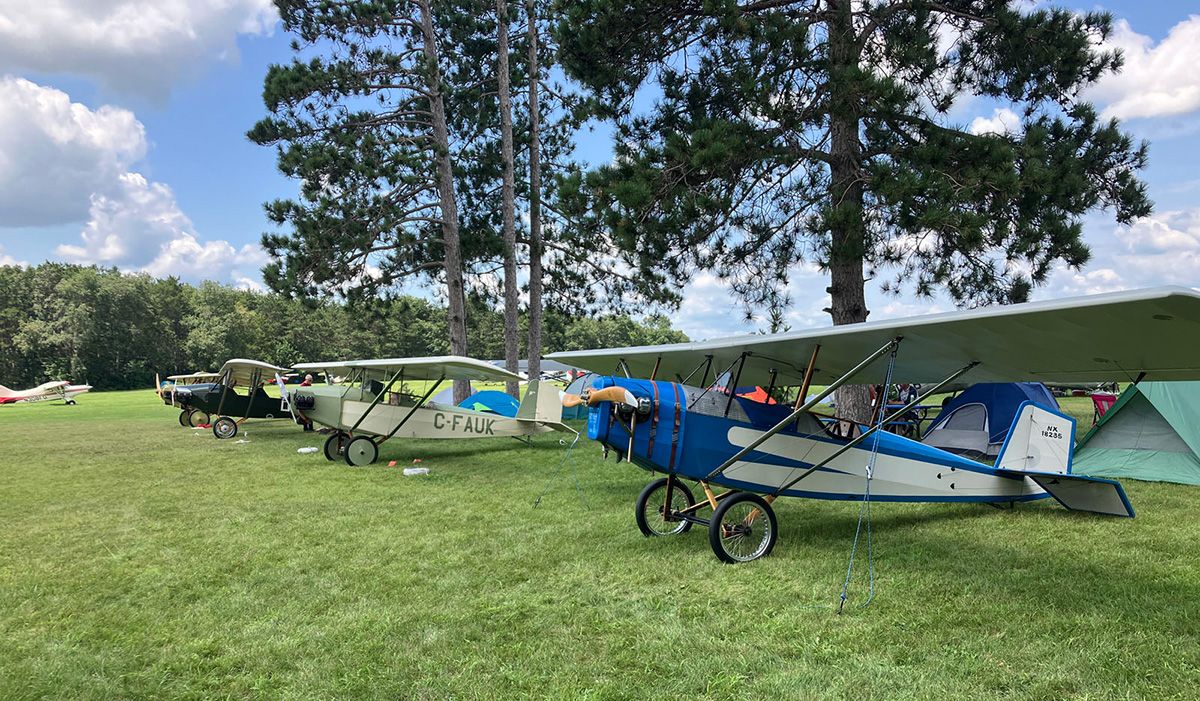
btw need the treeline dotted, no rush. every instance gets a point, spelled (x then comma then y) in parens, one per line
(116, 330)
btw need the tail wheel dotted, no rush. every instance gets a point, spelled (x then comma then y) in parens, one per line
(198, 417)
(335, 445)
(185, 418)
(224, 428)
(743, 528)
(361, 451)
(652, 518)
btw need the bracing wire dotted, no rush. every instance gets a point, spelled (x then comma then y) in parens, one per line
(574, 475)
(864, 510)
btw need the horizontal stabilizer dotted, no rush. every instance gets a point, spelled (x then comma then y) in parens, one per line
(1079, 493)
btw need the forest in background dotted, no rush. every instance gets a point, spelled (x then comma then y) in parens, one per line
(116, 330)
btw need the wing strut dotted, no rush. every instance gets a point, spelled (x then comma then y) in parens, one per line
(883, 350)
(870, 431)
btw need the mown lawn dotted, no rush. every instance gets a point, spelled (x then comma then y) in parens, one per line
(139, 559)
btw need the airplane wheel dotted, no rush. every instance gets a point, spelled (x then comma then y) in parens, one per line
(224, 428)
(361, 451)
(70, 402)
(335, 445)
(198, 417)
(743, 528)
(185, 418)
(650, 504)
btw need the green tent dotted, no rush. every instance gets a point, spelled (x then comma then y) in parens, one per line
(1151, 433)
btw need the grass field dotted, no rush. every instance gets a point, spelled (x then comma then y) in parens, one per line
(139, 559)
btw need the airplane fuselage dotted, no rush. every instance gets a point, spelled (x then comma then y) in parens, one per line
(690, 432)
(342, 407)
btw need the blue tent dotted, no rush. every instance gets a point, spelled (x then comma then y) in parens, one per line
(976, 422)
(492, 401)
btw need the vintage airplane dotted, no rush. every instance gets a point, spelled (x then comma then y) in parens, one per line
(690, 431)
(371, 405)
(168, 392)
(45, 392)
(232, 408)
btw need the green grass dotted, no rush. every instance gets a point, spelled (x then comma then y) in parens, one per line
(142, 560)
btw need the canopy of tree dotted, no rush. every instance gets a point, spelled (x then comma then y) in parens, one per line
(116, 330)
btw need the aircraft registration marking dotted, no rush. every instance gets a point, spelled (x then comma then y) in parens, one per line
(465, 424)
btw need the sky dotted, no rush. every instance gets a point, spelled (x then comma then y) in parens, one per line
(122, 143)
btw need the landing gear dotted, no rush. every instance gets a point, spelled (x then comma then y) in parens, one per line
(361, 451)
(653, 519)
(335, 445)
(185, 418)
(743, 528)
(198, 417)
(70, 402)
(224, 428)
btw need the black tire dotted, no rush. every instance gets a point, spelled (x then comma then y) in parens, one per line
(649, 510)
(360, 451)
(225, 428)
(70, 402)
(185, 418)
(734, 540)
(197, 417)
(335, 445)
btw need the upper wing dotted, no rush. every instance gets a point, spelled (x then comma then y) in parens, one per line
(1085, 339)
(450, 367)
(242, 371)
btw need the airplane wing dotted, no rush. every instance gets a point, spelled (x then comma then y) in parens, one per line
(242, 371)
(1097, 338)
(451, 367)
(194, 376)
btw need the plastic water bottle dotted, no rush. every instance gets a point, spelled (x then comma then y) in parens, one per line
(306, 451)
(410, 471)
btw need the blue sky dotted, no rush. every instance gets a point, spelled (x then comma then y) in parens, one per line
(136, 157)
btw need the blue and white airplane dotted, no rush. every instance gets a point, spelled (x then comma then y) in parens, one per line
(693, 432)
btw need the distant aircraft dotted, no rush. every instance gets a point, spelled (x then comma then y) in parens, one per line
(691, 431)
(169, 393)
(47, 392)
(371, 406)
(220, 403)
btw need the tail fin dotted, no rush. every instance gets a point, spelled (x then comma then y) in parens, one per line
(543, 405)
(1040, 440)
(1039, 447)
(6, 392)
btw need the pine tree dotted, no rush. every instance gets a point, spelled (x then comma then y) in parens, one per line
(821, 131)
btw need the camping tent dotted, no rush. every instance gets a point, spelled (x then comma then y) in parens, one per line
(976, 422)
(492, 401)
(1151, 433)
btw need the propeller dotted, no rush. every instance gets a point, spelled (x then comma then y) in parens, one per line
(593, 397)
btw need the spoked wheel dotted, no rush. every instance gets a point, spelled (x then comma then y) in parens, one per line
(185, 418)
(743, 528)
(224, 428)
(652, 518)
(198, 417)
(361, 451)
(335, 445)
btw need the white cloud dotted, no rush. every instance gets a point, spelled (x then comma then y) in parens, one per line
(1002, 121)
(1157, 80)
(55, 153)
(6, 259)
(138, 225)
(131, 46)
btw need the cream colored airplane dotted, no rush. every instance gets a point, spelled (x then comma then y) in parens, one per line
(45, 392)
(371, 405)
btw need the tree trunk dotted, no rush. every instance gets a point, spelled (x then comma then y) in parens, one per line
(848, 229)
(512, 346)
(535, 200)
(457, 315)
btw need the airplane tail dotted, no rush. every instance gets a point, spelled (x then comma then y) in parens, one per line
(542, 404)
(6, 392)
(1039, 447)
